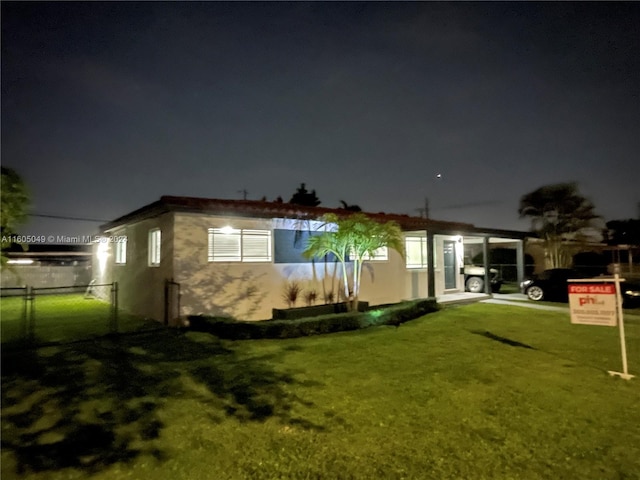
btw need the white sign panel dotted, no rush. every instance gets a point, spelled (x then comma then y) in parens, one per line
(593, 303)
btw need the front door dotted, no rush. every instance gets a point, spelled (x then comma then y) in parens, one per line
(449, 264)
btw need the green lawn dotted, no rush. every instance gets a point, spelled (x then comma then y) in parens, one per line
(475, 392)
(65, 317)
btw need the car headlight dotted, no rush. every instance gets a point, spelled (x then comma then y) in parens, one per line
(526, 283)
(632, 293)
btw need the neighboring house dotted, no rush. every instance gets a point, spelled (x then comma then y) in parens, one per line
(47, 265)
(236, 257)
(592, 257)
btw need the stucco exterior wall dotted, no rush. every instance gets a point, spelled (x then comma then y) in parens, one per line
(140, 286)
(389, 281)
(240, 290)
(250, 291)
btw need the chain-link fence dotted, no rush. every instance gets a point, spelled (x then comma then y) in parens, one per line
(40, 276)
(13, 313)
(62, 314)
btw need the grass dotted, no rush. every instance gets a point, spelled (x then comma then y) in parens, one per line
(60, 318)
(481, 391)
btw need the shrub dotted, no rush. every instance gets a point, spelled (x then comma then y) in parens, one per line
(291, 292)
(329, 297)
(389, 315)
(310, 297)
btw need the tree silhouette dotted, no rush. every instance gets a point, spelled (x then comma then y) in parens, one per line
(559, 213)
(101, 403)
(351, 208)
(304, 197)
(13, 209)
(623, 232)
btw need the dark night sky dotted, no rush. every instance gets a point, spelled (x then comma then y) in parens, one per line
(108, 106)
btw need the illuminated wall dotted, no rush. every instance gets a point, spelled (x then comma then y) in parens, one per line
(250, 290)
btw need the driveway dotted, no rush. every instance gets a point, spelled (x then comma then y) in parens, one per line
(521, 300)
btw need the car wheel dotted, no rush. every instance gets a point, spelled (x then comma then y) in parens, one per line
(535, 293)
(475, 285)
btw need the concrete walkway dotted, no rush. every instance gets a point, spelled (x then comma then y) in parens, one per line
(521, 300)
(517, 299)
(461, 298)
(526, 304)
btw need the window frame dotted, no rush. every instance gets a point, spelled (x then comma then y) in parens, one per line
(381, 257)
(120, 257)
(424, 253)
(154, 247)
(244, 236)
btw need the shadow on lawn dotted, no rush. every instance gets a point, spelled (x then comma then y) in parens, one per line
(92, 404)
(497, 338)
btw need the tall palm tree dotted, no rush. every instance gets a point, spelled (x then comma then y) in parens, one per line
(558, 213)
(356, 239)
(351, 208)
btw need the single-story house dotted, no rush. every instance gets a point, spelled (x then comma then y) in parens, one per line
(182, 255)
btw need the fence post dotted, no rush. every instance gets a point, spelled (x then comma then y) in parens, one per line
(114, 307)
(179, 298)
(23, 318)
(166, 302)
(31, 314)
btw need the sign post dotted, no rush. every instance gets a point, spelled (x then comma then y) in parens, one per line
(597, 301)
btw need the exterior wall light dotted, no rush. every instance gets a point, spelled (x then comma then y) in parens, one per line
(102, 254)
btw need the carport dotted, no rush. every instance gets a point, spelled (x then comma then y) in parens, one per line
(476, 242)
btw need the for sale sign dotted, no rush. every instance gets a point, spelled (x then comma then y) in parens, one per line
(593, 303)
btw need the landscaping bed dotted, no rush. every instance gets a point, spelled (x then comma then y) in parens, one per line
(314, 310)
(321, 324)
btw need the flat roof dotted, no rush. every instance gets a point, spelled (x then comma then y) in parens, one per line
(265, 209)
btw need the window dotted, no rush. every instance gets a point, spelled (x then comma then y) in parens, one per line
(379, 255)
(121, 250)
(154, 247)
(416, 252)
(289, 245)
(234, 245)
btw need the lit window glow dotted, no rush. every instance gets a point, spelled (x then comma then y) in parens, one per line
(102, 254)
(154, 247)
(416, 252)
(379, 255)
(20, 261)
(233, 245)
(121, 251)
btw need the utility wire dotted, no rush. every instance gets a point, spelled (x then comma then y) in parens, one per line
(63, 217)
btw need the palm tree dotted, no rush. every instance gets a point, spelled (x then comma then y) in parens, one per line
(558, 213)
(351, 208)
(356, 239)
